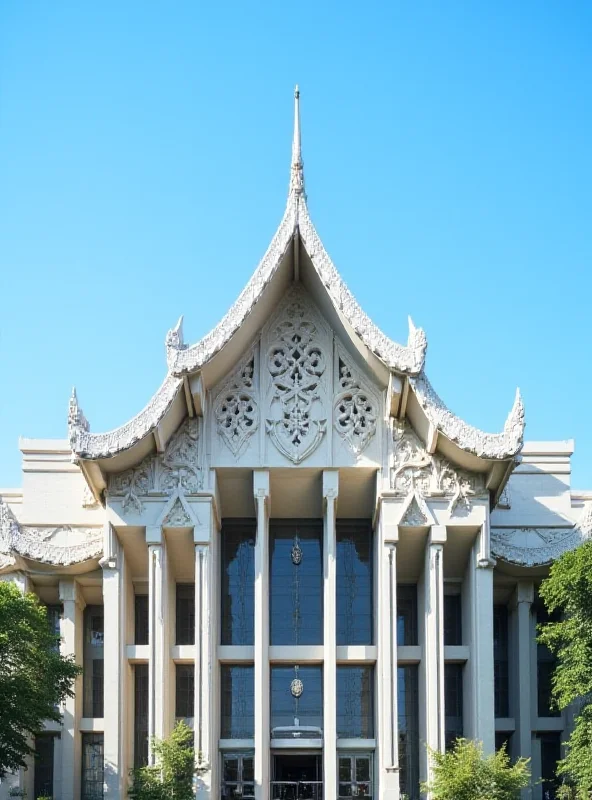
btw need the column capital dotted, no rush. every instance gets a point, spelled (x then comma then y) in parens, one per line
(261, 484)
(437, 535)
(330, 484)
(153, 534)
(69, 591)
(524, 593)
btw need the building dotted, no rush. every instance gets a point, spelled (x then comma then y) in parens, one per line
(299, 549)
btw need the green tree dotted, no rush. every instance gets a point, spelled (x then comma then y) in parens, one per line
(171, 777)
(34, 677)
(568, 590)
(465, 773)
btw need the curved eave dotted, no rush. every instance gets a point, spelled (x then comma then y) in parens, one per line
(467, 438)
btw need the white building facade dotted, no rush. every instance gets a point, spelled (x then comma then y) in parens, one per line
(299, 550)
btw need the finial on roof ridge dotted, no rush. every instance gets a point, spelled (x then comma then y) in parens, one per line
(297, 167)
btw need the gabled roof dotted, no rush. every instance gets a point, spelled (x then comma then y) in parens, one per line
(406, 362)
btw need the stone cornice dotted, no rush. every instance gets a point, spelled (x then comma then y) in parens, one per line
(497, 446)
(36, 544)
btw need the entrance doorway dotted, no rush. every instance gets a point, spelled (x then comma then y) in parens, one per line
(297, 776)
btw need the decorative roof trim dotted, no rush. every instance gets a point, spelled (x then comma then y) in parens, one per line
(89, 445)
(33, 543)
(497, 446)
(505, 542)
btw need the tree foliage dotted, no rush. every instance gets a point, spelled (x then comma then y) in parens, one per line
(34, 677)
(171, 777)
(465, 773)
(568, 590)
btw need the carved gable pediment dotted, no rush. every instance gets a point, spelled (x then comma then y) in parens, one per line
(414, 470)
(177, 469)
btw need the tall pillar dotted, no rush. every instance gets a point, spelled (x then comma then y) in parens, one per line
(262, 719)
(203, 671)
(72, 636)
(522, 674)
(330, 492)
(479, 678)
(115, 674)
(157, 616)
(387, 711)
(432, 664)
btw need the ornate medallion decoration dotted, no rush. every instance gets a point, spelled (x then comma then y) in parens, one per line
(235, 409)
(296, 363)
(354, 411)
(296, 687)
(296, 553)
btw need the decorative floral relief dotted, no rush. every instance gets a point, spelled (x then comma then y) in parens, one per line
(432, 476)
(235, 409)
(414, 516)
(534, 547)
(177, 469)
(61, 545)
(178, 517)
(296, 363)
(355, 410)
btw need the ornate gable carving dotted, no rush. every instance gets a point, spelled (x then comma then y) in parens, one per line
(235, 408)
(533, 547)
(177, 470)
(296, 364)
(414, 469)
(355, 407)
(414, 516)
(61, 545)
(178, 517)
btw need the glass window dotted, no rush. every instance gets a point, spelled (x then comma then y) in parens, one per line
(355, 702)
(296, 582)
(408, 709)
(546, 663)
(238, 582)
(354, 776)
(296, 702)
(453, 703)
(141, 619)
(238, 776)
(92, 766)
(44, 765)
(406, 614)
(185, 616)
(452, 619)
(502, 738)
(93, 662)
(550, 755)
(140, 715)
(238, 702)
(184, 691)
(54, 614)
(500, 661)
(354, 582)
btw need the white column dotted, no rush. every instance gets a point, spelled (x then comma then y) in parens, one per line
(157, 615)
(432, 666)
(387, 712)
(115, 694)
(72, 633)
(262, 732)
(479, 682)
(521, 647)
(330, 492)
(203, 671)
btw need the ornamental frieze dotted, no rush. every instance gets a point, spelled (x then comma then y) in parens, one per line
(414, 469)
(177, 470)
(355, 406)
(236, 410)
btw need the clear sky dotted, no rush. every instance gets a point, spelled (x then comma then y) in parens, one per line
(144, 159)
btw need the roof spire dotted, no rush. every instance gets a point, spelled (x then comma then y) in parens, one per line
(297, 167)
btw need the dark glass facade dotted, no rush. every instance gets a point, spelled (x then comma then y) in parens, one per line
(407, 614)
(185, 613)
(453, 703)
(237, 584)
(355, 776)
(184, 691)
(237, 702)
(141, 619)
(296, 582)
(92, 766)
(500, 661)
(452, 619)
(290, 710)
(238, 776)
(546, 663)
(354, 582)
(408, 709)
(140, 715)
(355, 702)
(93, 661)
(43, 765)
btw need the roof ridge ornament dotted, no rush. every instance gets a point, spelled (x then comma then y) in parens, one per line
(297, 166)
(76, 419)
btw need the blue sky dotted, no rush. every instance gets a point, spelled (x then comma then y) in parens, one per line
(144, 155)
